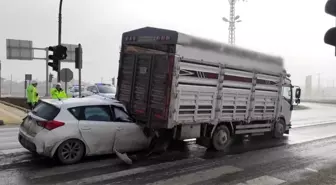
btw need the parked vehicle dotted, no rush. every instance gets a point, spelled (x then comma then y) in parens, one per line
(74, 91)
(106, 90)
(73, 128)
(187, 87)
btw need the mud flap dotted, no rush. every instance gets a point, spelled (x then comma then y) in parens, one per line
(160, 144)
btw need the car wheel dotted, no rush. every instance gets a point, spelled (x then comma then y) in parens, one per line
(221, 138)
(70, 151)
(279, 129)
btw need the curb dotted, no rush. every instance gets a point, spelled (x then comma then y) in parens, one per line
(14, 106)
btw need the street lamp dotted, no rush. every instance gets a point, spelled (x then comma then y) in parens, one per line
(232, 27)
(232, 21)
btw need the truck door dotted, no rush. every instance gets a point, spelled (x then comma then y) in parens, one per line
(144, 85)
(286, 103)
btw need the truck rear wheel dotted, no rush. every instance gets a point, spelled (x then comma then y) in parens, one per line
(279, 129)
(221, 138)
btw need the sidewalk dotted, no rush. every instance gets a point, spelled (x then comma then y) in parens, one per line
(10, 115)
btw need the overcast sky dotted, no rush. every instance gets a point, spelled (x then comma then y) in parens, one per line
(293, 29)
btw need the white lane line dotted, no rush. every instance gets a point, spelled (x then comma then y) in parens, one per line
(312, 170)
(10, 145)
(74, 168)
(111, 176)
(13, 151)
(15, 129)
(6, 139)
(198, 176)
(263, 180)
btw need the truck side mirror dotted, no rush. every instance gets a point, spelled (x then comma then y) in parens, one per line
(297, 96)
(297, 93)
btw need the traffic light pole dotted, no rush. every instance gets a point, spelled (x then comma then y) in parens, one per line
(47, 72)
(59, 38)
(0, 80)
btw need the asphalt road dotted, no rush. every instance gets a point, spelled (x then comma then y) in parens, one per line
(306, 156)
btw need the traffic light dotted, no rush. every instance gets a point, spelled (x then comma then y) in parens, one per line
(54, 65)
(78, 57)
(59, 53)
(330, 35)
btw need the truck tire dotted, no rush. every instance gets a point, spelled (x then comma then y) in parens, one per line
(221, 138)
(279, 129)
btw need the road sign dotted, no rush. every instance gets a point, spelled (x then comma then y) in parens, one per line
(66, 75)
(19, 49)
(70, 52)
(28, 77)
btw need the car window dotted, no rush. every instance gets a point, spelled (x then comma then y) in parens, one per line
(75, 111)
(94, 89)
(97, 113)
(89, 88)
(106, 89)
(120, 115)
(46, 111)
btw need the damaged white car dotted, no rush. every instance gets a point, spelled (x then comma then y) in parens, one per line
(73, 128)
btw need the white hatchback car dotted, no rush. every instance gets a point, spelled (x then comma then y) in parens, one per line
(73, 128)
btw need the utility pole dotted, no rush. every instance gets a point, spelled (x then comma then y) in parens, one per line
(0, 80)
(11, 83)
(319, 84)
(59, 38)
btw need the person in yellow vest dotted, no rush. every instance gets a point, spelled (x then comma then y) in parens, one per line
(32, 95)
(57, 92)
(53, 91)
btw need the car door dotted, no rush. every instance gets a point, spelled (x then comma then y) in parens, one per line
(129, 136)
(97, 128)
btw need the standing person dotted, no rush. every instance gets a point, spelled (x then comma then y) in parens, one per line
(58, 92)
(53, 92)
(32, 95)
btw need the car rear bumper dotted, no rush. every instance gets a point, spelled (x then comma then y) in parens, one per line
(37, 144)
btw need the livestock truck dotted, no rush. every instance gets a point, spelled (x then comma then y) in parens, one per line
(186, 87)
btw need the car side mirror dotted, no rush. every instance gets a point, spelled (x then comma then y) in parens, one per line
(95, 91)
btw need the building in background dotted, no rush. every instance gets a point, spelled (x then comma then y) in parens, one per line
(308, 87)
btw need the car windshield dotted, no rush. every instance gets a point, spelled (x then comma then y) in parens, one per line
(106, 89)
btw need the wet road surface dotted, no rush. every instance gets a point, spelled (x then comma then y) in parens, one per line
(306, 156)
(258, 162)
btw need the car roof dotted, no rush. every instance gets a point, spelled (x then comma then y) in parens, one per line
(87, 101)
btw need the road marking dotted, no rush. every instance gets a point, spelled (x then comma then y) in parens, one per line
(11, 129)
(13, 151)
(312, 170)
(263, 180)
(198, 176)
(74, 168)
(10, 145)
(114, 175)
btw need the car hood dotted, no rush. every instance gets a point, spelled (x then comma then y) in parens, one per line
(108, 95)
